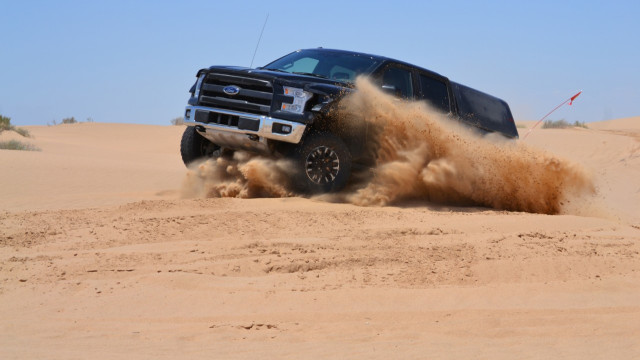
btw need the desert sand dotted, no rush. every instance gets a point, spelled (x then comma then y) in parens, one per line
(101, 258)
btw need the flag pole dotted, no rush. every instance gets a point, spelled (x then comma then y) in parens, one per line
(569, 100)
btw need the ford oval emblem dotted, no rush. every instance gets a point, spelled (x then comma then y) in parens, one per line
(231, 90)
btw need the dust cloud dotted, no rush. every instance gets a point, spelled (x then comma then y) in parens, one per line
(244, 175)
(421, 156)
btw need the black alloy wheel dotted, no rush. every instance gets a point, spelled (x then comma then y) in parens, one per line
(194, 146)
(324, 163)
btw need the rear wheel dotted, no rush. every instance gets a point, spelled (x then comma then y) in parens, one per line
(323, 162)
(194, 146)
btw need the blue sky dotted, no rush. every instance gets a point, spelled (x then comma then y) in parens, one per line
(133, 61)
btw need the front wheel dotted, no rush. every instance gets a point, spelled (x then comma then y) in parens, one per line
(323, 163)
(194, 146)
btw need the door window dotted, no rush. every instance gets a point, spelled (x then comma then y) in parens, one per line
(400, 79)
(435, 92)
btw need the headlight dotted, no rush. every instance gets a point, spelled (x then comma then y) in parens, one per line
(199, 85)
(300, 98)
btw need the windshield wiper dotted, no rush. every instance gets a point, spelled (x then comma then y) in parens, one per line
(297, 73)
(278, 70)
(310, 74)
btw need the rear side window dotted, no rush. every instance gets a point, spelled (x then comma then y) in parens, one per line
(484, 110)
(435, 92)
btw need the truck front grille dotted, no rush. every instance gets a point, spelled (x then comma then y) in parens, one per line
(254, 96)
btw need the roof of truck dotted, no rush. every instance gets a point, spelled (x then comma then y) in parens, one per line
(378, 57)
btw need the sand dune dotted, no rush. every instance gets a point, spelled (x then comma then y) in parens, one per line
(100, 258)
(91, 164)
(610, 150)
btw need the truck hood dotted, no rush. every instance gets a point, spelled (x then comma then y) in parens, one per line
(306, 81)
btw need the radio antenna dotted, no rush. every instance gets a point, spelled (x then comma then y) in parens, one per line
(260, 38)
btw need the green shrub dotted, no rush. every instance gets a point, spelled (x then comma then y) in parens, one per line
(17, 145)
(555, 124)
(23, 132)
(69, 120)
(5, 124)
(561, 124)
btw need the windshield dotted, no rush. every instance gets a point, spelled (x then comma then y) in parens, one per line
(334, 65)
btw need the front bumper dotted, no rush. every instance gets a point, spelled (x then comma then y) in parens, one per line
(239, 130)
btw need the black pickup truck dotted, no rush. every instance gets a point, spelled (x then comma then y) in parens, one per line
(283, 109)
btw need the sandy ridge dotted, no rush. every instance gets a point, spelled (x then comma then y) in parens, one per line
(99, 257)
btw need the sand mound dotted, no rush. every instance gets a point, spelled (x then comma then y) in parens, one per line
(630, 124)
(9, 135)
(100, 258)
(91, 164)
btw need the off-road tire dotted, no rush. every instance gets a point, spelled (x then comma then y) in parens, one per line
(194, 147)
(323, 164)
